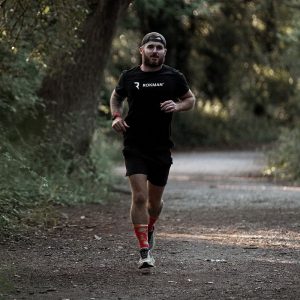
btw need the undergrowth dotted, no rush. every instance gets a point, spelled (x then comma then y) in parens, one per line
(35, 177)
(284, 157)
(195, 129)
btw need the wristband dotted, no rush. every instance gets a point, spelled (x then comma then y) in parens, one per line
(116, 115)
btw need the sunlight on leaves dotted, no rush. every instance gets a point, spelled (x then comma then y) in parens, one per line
(46, 10)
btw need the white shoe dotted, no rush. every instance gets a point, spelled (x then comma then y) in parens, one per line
(146, 260)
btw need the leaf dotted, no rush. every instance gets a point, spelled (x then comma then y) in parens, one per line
(46, 10)
(98, 238)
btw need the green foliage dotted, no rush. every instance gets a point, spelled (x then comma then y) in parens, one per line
(21, 188)
(199, 129)
(36, 175)
(38, 172)
(34, 37)
(284, 158)
(19, 80)
(75, 178)
(49, 28)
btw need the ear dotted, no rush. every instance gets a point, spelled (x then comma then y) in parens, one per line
(141, 50)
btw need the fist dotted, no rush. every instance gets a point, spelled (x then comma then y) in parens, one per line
(119, 125)
(168, 106)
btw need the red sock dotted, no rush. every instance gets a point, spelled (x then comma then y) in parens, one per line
(152, 220)
(141, 232)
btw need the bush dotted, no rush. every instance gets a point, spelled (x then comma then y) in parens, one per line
(284, 158)
(35, 176)
(21, 188)
(195, 129)
(20, 77)
(81, 179)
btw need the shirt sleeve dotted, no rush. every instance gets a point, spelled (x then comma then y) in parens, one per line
(182, 86)
(121, 89)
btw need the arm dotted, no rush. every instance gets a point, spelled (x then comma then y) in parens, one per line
(186, 102)
(116, 105)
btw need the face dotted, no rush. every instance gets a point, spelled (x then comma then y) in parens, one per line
(153, 54)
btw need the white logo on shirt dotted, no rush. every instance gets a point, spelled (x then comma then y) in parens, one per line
(137, 85)
(153, 84)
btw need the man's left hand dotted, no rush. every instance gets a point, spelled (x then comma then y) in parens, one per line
(168, 106)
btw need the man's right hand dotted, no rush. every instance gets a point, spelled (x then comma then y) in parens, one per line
(119, 125)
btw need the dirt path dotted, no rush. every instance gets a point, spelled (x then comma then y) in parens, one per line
(225, 233)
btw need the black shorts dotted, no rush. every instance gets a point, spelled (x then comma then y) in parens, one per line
(155, 164)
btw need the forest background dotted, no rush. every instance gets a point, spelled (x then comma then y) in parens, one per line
(60, 60)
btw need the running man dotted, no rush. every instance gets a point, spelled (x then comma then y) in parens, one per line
(154, 91)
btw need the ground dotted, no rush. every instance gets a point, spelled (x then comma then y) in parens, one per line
(225, 233)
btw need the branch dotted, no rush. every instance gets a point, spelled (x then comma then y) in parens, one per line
(20, 20)
(293, 6)
(2, 3)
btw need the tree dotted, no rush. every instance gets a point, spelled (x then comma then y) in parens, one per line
(73, 92)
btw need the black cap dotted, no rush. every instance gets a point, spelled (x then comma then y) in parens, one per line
(154, 37)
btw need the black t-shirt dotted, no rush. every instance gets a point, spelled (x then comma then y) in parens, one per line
(150, 128)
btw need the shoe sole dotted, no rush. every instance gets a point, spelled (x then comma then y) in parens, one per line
(146, 265)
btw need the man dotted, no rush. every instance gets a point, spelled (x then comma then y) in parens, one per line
(154, 92)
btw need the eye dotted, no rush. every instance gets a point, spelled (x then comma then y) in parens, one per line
(159, 47)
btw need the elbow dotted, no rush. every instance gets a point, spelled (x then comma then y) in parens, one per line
(192, 103)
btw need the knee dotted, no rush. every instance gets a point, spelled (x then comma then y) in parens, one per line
(139, 199)
(155, 208)
(155, 203)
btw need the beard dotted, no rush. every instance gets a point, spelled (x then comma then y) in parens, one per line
(151, 62)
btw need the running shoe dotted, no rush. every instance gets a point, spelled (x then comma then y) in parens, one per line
(151, 239)
(146, 260)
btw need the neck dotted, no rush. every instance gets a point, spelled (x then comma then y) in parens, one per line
(145, 68)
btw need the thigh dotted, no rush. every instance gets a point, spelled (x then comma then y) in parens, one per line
(155, 193)
(158, 175)
(138, 184)
(160, 167)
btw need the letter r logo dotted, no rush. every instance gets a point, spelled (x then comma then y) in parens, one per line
(137, 85)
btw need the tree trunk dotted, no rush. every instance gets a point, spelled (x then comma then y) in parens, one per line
(76, 90)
